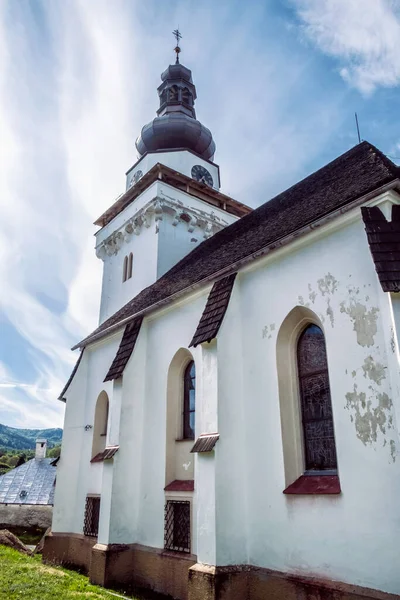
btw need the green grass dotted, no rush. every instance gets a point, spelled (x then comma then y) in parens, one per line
(27, 578)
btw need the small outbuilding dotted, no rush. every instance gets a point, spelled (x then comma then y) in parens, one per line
(27, 492)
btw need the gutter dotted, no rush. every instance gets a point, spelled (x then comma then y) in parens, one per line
(235, 266)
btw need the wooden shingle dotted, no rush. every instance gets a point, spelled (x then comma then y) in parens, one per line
(214, 312)
(125, 350)
(384, 243)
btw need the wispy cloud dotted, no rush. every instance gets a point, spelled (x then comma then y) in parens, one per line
(362, 34)
(77, 83)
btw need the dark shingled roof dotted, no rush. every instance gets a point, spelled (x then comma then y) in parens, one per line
(74, 370)
(205, 442)
(106, 454)
(355, 173)
(31, 483)
(125, 350)
(214, 312)
(384, 242)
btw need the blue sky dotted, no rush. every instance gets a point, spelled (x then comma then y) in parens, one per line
(278, 83)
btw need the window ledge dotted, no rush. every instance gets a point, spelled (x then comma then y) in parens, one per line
(184, 440)
(180, 485)
(314, 484)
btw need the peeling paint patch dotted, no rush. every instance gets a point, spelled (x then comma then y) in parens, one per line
(353, 374)
(312, 295)
(267, 331)
(364, 321)
(393, 450)
(302, 302)
(374, 370)
(329, 312)
(369, 420)
(327, 285)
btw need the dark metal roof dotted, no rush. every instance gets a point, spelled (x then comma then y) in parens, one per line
(175, 125)
(125, 350)
(74, 370)
(106, 454)
(176, 130)
(214, 312)
(205, 442)
(384, 242)
(358, 172)
(31, 483)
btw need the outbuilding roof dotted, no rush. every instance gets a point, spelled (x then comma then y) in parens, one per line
(354, 174)
(31, 483)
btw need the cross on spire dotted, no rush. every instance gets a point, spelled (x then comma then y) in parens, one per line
(176, 33)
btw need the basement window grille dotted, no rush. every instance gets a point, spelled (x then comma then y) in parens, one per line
(92, 514)
(177, 526)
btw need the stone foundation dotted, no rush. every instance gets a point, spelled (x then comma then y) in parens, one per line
(178, 575)
(251, 583)
(69, 549)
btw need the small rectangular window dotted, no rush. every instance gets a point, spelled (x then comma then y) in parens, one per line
(92, 514)
(177, 526)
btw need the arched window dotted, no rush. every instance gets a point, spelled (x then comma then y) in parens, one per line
(186, 96)
(189, 401)
(173, 94)
(130, 260)
(125, 269)
(315, 399)
(100, 424)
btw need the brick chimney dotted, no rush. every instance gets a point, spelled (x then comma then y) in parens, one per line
(41, 447)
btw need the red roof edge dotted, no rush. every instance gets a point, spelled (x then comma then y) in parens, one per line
(315, 484)
(180, 485)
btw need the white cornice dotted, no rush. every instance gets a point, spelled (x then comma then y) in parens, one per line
(155, 211)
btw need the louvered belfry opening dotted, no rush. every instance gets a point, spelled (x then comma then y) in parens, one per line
(92, 514)
(177, 526)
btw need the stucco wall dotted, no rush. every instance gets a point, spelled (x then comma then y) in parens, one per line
(25, 515)
(352, 537)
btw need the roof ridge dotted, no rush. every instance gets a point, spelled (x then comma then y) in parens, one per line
(355, 173)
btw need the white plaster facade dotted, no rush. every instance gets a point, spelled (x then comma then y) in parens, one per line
(239, 513)
(159, 228)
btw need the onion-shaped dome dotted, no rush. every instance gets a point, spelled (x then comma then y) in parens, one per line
(176, 130)
(176, 125)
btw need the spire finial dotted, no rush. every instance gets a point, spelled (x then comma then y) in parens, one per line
(177, 49)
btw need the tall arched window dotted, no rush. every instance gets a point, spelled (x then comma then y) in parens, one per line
(189, 401)
(100, 424)
(130, 261)
(315, 398)
(125, 269)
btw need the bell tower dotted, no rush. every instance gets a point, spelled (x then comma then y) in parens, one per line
(172, 201)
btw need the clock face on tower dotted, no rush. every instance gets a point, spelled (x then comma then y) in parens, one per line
(135, 178)
(200, 173)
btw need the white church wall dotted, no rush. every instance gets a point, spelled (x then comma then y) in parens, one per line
(144, 414)
(327, 536)
(230, 450)
(156, 245)
(77, 476)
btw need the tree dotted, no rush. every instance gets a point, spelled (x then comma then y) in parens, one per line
(21, 460)
(54, 452)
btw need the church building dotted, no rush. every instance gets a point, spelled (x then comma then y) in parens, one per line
(232, 425)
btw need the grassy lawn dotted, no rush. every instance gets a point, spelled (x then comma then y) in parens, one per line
(26, 578)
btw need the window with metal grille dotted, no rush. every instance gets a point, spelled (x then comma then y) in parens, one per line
(316, 406)
(177, 526)
(92, 514)
(189, 401)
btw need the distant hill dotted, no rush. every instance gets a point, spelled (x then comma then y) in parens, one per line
(24, 439)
